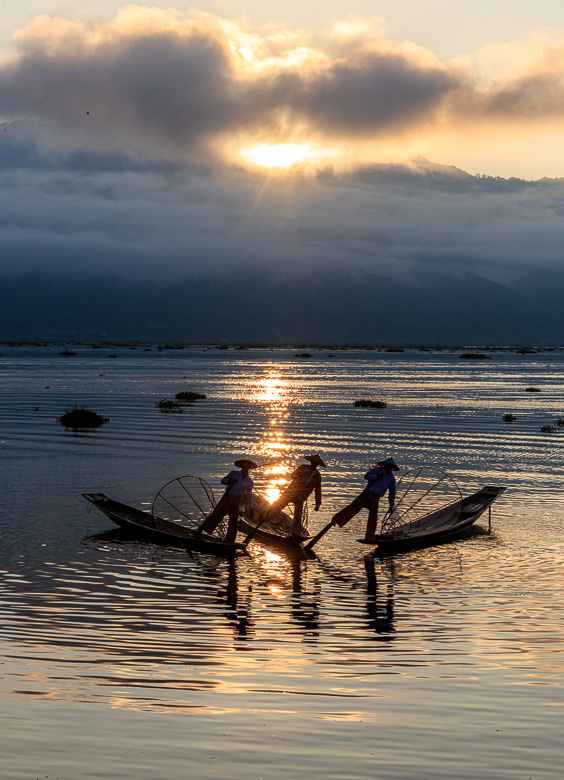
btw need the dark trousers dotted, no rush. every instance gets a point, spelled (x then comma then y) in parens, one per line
(366, 500)
(227, 505)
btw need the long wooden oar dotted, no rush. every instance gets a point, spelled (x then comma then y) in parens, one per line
(318, 536)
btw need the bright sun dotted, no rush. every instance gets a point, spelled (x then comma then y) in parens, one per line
(279, 155)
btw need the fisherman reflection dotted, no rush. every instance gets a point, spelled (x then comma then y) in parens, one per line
(237, 612)
(380, 616)
(305, 608)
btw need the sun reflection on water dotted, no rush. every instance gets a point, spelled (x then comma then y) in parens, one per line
(276, 394)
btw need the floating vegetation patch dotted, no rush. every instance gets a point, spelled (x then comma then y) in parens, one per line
(367, 403)
(188, 396)
(532, 389)
(509, 418)
(67, 352)
(167, 406)
(81, 418)
(558, 423)
(473, 356)
(303, 354)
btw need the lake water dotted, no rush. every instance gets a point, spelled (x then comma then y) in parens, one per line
(127, 660)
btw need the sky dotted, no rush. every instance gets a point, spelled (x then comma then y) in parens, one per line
(400, 139)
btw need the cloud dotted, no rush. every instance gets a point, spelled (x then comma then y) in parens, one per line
(170, 84)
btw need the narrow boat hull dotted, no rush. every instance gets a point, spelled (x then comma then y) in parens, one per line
(266, 535)
(156, 530)
(448, 524)
(289, 545)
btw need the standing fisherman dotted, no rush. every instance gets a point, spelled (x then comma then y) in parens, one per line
(239, 490)
(380, 480)
(304, 481)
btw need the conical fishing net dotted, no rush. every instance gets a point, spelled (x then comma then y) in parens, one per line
(187, 501)
(420, 492)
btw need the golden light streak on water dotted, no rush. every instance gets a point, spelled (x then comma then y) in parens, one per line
(275, 392)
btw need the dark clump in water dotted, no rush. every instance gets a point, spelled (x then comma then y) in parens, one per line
(366, 403)
(189, 396)
(80, 417)
(169, 406)
(532, 389)
(509, 418)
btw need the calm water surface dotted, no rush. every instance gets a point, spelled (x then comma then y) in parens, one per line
(127, 660)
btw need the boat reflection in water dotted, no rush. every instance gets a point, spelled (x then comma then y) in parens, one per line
(285, 580)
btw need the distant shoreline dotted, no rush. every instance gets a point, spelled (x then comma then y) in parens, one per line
(391, 348)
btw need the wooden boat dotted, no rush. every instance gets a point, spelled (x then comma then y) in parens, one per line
(443, 525)
(147, 527)
(275, 531)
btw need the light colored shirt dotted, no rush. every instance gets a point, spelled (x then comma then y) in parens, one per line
(239, 486)
(379, 482)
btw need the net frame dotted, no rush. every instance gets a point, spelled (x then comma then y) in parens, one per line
(416, 500)
(198, 501)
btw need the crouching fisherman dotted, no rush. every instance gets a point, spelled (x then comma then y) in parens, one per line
(381, 480)
(239, 490)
